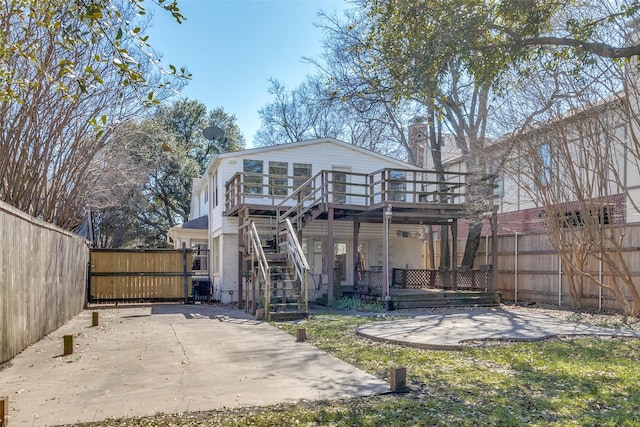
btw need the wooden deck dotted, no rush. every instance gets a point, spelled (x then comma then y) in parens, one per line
(425, 298)
(416, 196)
(429, 298)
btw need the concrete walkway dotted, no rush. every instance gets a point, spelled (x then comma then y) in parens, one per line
(175, 358)
(451, 330)
(169, 358)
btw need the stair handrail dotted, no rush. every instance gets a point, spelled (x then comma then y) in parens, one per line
(296, 255)
(263, 265)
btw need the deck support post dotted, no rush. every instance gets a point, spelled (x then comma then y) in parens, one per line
(356, 254)
(386, 221)
(330, 257)
(454, 256)
(241, 261)
(494, 250)
(185, 277)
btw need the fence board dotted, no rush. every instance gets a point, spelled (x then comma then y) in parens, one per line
(537, 276)
(138, 275)
(42, 279)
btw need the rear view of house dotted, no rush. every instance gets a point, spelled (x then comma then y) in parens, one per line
(307, 220)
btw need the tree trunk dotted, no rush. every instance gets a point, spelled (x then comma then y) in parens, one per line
(445, 258)
(473, 242)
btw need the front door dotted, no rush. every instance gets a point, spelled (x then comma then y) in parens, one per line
(340, 270)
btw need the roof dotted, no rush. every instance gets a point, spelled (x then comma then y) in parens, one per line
(201, 223)
(298, 144)
(200, 182)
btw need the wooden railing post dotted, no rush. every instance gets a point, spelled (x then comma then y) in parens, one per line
(184, 273)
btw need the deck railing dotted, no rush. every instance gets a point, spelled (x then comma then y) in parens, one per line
(442, 279)
(299, 261)
(370, 282)
(260, 274)
(344, 188)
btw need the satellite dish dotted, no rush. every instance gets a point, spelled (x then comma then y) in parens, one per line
(213, 133)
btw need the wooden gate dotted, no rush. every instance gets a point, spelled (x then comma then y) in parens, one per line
(135, 275)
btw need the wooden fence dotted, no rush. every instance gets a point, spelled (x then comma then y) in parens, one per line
(529, 270)
(139, 275)
(42, 279)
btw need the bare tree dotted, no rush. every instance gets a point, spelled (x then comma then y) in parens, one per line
(61, 97)
(305, 112)
(576, 167)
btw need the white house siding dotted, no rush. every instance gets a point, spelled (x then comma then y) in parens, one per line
(199, 199)
(226, 284)
(404, 252)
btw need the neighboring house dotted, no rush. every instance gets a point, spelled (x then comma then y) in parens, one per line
(193, 234)
(337, 197)
(584, 163)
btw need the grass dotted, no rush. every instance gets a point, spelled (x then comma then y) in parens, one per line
(357, 304)
(563, 382)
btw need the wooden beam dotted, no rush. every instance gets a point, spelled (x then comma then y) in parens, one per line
(185, 279)
(454, 256)
(356, 230)
(494, 248)
(330, 257)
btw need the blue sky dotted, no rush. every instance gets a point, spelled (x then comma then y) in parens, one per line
(232, 48)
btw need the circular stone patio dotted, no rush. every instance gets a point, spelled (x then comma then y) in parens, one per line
(452, 330)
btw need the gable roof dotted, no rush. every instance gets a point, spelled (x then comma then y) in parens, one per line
(201, 223)
(291, 145)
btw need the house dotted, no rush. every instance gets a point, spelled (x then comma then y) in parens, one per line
(568, 206)
(345, 213)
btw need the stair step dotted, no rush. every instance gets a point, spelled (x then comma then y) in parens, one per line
(446, 300)
(288, 315)
(282, 282)
(285, 304)
(287, 291)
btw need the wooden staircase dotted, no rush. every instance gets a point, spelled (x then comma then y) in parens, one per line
(286, 301)
(279, 273)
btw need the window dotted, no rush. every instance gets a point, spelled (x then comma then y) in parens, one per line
(339, 187)
(200, 256)
(206, 194)
(397, 186)
(216, 255)
(278, 178)
(545, 162)
(498, 186)
(215, 189)
(599, 215)
(252, 176)
(301, 173)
